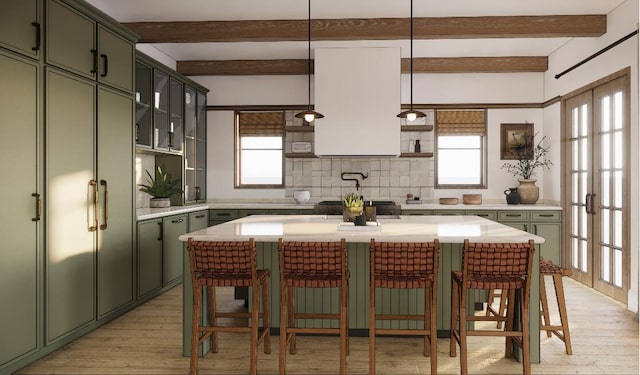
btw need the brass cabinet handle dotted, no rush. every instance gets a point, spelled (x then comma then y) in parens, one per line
(103, 226)
(94, 227)
(38, 207)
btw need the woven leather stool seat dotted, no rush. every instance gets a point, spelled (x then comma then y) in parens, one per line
(312, 265)
(227, 263)
(405, 265)
(547, 268)
(505, 266)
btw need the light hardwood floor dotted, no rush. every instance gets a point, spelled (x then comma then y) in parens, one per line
(148, 340)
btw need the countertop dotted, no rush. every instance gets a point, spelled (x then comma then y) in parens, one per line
(153, 213)
(412, 228)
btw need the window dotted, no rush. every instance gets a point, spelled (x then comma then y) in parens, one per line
(259, 149)
(460, 149)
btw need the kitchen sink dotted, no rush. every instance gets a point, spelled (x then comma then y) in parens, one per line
(335, 207)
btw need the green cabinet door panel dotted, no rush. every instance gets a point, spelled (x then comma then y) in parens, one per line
(116, 60)
(70, 39)
(198, 220)
(19, 276)
(149, 256)
(20, 26)
(70, 212)
(115, 173)
(172, 248)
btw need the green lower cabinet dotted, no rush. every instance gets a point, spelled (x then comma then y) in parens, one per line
(172, 248)
(548, 224)
(219, 216)
(149, 256)
(198, 220)
(417, 212)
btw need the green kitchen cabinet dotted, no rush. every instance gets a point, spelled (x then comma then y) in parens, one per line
(21, 26)
(219, 216)
(195, 144)
(172, 248)
(78, 43)
(548, 224)
(89, 264)
(198, 220)
(487, 214)
(515, 219)
(176, 102)
(20, 214)
(149, 257)
(144, 103)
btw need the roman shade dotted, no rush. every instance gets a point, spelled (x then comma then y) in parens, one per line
(261, 124)
(461, 122)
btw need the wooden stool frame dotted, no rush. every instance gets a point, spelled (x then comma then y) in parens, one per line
(505, 266)
(561, 331)
(312, 265)
(400, 265)
(227, 263)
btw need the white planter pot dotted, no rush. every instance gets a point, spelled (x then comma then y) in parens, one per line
(159, 202)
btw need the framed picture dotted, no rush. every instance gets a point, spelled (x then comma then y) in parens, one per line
(516, 141)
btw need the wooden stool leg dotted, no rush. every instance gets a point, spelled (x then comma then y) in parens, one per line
(562, 307)
(372, 328)
(213, 319)
(454, 318)
(492, 296)
(282, 355)
(255, 313)
(510, 295)
(502, 308)
(292, 319)
(544, 303)
(343, 329)
(427, 322)
(195, 329)
(433, 330)
(524, 315)
(266, 317)
(347, 293)
(462, 318)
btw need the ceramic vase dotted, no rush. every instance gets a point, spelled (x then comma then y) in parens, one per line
(528, 191)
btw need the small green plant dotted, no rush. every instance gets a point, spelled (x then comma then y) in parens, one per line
(352, 200)
(162, 186)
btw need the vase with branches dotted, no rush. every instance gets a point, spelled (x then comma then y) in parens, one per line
(529, 158)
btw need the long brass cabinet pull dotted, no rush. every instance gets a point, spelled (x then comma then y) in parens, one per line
(38, 207)
(94, 227)
(103, 226)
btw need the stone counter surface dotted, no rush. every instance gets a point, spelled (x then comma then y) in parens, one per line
(153, 213)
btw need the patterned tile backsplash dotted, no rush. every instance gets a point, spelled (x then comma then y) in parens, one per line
(388, 177)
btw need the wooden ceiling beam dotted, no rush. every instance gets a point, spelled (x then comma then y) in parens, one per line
(372, 29)
(508, 64)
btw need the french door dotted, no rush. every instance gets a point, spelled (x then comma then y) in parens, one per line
(596, 180)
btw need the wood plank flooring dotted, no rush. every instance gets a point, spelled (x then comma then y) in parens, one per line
(148, 340)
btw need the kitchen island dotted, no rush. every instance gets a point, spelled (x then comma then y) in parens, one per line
(451, 231)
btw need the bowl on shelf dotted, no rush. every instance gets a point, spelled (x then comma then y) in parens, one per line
(301, 196)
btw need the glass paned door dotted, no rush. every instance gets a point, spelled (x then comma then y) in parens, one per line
(595, 169)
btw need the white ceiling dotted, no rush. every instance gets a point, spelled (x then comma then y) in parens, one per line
(227, 10)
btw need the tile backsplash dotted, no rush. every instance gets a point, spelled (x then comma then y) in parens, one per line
(388, 177)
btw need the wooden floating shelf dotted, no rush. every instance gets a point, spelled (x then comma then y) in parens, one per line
(300, 155)
(299, 129)
(416, 155)
(416, 128)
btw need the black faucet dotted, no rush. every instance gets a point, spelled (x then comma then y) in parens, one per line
(364, 176)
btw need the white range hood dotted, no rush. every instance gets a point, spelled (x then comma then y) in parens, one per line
(358, 92)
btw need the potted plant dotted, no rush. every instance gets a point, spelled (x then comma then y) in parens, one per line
(161, 188)
(528, 160)
(352, 205)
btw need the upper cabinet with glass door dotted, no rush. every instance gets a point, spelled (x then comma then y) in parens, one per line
(195, 152)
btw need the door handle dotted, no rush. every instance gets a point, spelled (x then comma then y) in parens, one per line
(103, 226)
(177, 221)
(94, 70)
(587, 203)
(160, 231)
(38, 36)
(94, 227)
(105, 64)
(593, 199)
(38, 207)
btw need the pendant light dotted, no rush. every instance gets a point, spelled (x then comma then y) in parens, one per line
(411, 115)
(309, 115)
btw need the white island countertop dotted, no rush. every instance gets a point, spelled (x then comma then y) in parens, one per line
(447, 229)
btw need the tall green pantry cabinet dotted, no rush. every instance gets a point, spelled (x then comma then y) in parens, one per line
(68, 229)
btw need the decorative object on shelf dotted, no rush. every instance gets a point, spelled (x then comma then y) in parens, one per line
(448, 200)
(301, 196)
(161, 188)
(416, 146)
(528, 159)
(411, 114)
(472, 198)
(352, 207)
(309, 115)
(512, 196)
(299, 147)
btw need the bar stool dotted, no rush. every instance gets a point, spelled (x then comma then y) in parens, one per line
(547, 268)
(502, 307)
(228, 263)
(312, 265)
(405, 265)
(504, 266)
